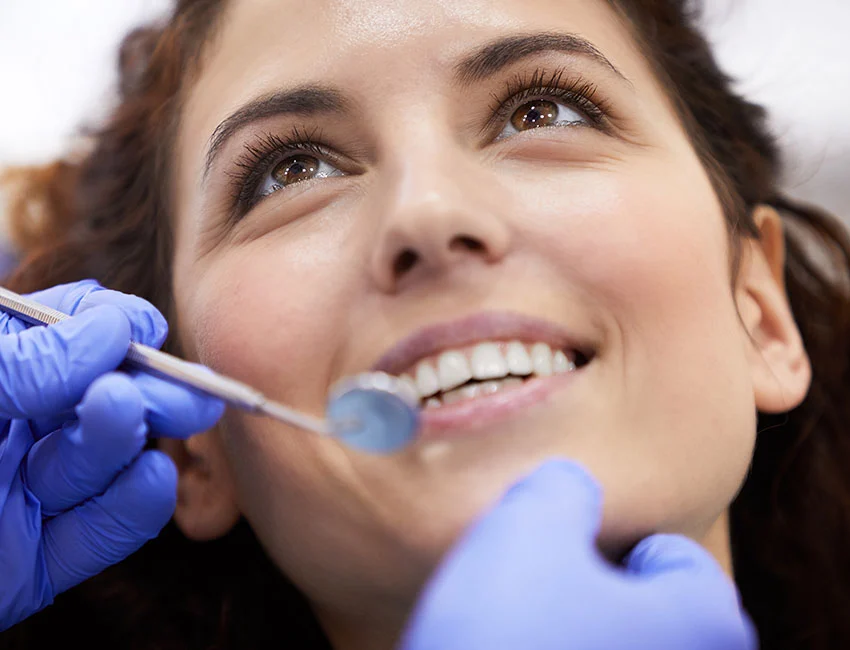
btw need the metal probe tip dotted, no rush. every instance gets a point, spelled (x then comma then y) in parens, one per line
(285, 414)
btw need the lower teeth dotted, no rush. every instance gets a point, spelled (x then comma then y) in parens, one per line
(473, 390)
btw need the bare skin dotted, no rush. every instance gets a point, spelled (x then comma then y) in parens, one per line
(603, 225)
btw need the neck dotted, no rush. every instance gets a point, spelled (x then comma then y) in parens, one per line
(373, 629)
(381, 628)
(716, 541)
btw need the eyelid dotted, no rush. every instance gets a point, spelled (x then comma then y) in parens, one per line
(262, 154)
(581, 94)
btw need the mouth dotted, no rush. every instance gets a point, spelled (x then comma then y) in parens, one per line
(485, 367)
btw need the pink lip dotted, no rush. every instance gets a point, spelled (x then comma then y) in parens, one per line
(486, 326)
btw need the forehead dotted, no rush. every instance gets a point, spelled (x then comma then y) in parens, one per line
(349, 26)
(363, 45)
(384, 23)
(378, 51)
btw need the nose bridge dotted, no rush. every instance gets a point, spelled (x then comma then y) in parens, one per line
(435, 210)
(426, 185)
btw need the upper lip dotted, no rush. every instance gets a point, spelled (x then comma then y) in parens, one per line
(486, 326)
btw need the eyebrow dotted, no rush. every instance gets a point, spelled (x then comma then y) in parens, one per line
(494, 56)
(314, 99)
(303, 100)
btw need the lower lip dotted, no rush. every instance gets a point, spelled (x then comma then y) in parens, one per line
(475, 414)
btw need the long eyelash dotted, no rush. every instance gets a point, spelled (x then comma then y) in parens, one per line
(580, 94)
(258, 157)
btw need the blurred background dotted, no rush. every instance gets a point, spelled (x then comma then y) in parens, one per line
(57, 69)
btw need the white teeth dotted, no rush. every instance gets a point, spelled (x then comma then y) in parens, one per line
(427, 382)
(487, 362)
(541, 359)
(484, 362)
(561, 364)
(433, 402)
(488, 388)
(491, 387)
(478, 390)
(519, 363)
(453, 370)
(465, 392)
(408, 381)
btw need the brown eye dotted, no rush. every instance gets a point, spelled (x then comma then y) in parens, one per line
(535, 114)
(295, 169)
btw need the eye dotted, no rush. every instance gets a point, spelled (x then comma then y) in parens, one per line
(295, 169)
(541, 113)
(272, 163)
(539, 99)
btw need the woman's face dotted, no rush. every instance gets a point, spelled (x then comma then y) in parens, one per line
(458, 173)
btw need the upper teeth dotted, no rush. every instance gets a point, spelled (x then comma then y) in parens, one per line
(489, 360)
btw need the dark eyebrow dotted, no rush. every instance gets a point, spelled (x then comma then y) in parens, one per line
(496, 55)
(312, 99)
(302, 100)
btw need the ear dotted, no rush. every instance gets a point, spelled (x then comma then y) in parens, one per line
(781, 372)
(206, 496)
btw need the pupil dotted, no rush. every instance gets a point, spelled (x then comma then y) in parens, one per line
(535, 114)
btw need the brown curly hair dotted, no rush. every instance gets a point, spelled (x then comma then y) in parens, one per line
(107, 215)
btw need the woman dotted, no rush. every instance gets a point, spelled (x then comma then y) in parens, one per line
(310, 193)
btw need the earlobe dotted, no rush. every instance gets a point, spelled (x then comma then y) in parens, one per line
(781, 371)
(206, 497)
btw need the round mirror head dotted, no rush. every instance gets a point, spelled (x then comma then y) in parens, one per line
(373, 412)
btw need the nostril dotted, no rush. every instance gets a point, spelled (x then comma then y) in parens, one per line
(405, 261)
(467, 243)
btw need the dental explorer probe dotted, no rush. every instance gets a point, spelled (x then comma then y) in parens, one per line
(373, 412)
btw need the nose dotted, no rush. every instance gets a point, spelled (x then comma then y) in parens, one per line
(436, 215)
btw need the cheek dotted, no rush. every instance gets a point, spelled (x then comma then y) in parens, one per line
(263, 314)
(653, 259)
(643, 251)
(269, 315)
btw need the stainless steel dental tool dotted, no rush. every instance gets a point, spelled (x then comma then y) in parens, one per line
(373, 412)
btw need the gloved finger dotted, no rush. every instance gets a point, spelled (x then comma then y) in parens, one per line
(171, 410)
(52, 298)
(148, 325)
(174, 410)
(536, 542)
(49, 423)
(681, 563)
(662, 554)
(80, 460)
(551, 514)
(103, 531)
(65, 297)
(696, 590)
(47, 369)
(20, 526)
(559, 497)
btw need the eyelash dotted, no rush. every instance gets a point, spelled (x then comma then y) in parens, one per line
(270, 149)
(259, 157)
(580, 94)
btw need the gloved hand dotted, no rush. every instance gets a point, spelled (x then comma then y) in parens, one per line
(527, 575)
(77, 491)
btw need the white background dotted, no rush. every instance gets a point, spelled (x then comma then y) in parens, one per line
(57, 68)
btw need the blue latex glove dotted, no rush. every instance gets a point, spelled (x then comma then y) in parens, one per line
(77, 491)
(527, 575)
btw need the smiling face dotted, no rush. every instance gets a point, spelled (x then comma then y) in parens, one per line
(391, 182)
